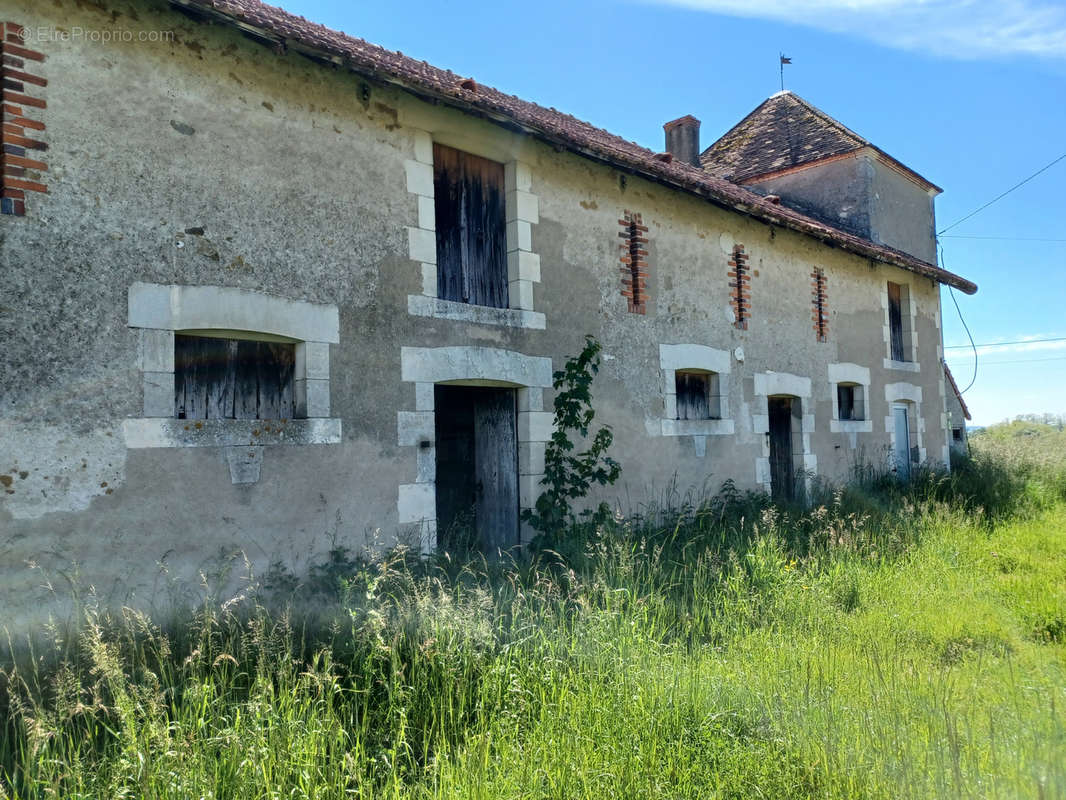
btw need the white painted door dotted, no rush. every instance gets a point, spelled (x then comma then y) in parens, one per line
(902, 448)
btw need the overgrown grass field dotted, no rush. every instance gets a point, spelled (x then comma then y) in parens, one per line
(892, 642)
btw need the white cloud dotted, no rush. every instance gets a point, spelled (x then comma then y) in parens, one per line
(963, 29)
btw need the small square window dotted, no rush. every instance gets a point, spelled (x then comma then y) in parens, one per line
(698, 395)
(850, 405)
(956, 434)
(217, 378)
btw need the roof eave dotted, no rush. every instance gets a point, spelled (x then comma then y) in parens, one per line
(661, 175)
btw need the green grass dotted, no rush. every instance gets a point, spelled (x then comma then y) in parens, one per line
(892, 642)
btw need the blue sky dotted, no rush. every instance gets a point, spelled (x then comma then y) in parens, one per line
(972, 95)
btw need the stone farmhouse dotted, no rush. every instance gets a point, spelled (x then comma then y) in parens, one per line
(268, 287)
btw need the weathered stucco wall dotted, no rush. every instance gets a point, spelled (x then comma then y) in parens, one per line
(901, 213)
(956, 421)
(862, 194)
(836, 191)
(211, 160)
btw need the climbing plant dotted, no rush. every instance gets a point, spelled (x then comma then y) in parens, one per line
(569, 475)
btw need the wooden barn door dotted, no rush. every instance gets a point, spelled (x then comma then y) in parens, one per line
(496, 465)
(902, 447)
(782, 472)
(477, 468)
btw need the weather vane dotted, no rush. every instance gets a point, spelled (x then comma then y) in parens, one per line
(784, 60)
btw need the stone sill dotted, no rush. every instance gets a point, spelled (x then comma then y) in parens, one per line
(851, 426)
(697, 427)
(421, 306)
(904, 366)
(160, 432)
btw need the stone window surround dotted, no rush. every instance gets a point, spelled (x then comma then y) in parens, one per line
(850, 373)
(675, 357)
(911, 318)
(776, 384)
(523, 265)
(911, 395)
(159, 311)
(472, 366)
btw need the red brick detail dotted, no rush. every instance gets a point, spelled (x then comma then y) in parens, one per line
(20, 161)
(17, 75)
(13, 49)
(740, 287)
(633, 258)
(820, 304)
(23, 99)
(18, 173)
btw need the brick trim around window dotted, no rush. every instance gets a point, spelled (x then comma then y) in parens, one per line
(19, 173)
(634, 263)
(819, 304)
(740, 286)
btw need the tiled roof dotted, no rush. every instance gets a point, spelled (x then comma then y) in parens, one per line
(955, 389)
(293, 32)
(785, 131)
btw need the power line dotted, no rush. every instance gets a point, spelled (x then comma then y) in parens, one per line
(1002, 238)
(1004, 194)
(1024, 361)
(1000, 344)
(966, 327)
(943, 263)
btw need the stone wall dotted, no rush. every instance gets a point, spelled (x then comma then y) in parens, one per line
(200, 158)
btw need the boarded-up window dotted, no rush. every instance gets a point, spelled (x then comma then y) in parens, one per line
(850, 401)
(470, 220)
(698, 395)
(232, 378)
(899, 321)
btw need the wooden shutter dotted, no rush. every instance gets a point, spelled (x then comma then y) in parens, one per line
(693, 393)
(895, 321)
(470, 222)
(233, 378)
(845, 401)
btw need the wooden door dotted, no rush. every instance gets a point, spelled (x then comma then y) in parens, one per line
(902, 448)
(782, 473)
(456, 491)
(477, 469)
(496, 466)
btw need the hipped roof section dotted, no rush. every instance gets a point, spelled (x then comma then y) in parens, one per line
(288, 31)
(784, 132)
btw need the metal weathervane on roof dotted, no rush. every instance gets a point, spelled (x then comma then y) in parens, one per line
(784, 60)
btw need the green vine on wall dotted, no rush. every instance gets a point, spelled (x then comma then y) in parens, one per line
(569, 475)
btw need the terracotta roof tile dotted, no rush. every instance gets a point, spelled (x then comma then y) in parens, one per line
(548, 124)
(785, 131)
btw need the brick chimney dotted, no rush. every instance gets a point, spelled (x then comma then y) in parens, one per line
(683, 139)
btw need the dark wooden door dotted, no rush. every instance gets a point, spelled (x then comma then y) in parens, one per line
(456, 490)
(496, 464)
(477, 469)
(782, 475)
